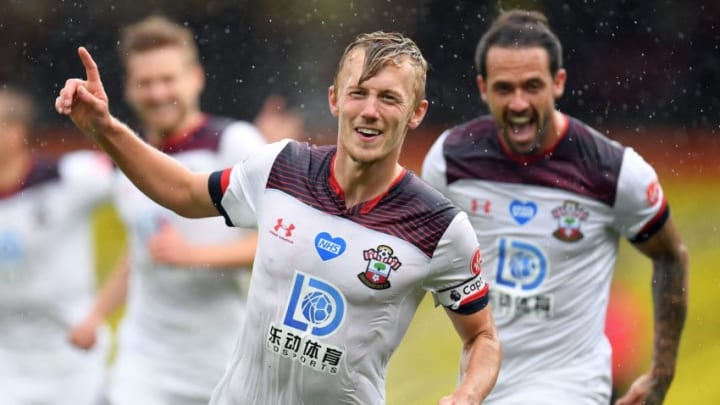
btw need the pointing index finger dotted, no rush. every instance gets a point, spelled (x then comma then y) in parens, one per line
(91, 69)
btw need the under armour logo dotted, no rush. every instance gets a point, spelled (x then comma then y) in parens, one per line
(475, 206)
(288, 229)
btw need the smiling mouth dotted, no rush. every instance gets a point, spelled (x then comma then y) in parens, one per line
(368, 132)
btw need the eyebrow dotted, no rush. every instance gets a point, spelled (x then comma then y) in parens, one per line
(513, 83)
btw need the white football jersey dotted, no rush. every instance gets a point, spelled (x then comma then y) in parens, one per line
(549, 228)
(180, 323)
(333, 288)
(47, 280)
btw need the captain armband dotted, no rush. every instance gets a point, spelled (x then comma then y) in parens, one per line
(467, 297)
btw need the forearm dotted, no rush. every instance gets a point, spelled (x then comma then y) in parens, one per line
(670, 309)
(240, 253)
(113, 293)
(156, 174)
(480, 364)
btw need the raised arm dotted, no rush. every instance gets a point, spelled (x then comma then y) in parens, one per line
(670, 292)
(481, 357)
(157, 175)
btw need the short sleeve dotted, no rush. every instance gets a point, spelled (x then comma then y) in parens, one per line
(236, 191)
(640, 206)
(455, 278)
(434, 166)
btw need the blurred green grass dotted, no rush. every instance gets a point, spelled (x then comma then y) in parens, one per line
(110, 244)
(424, 368)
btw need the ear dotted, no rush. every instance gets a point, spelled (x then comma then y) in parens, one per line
(559, 83)
(199, 76)
(482, 87)
(332, 101)
(418, 114)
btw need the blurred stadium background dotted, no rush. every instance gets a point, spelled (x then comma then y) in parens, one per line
(645, 73)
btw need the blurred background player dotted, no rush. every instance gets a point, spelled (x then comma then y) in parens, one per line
(47, 267)
(549, 198)
(183, 278)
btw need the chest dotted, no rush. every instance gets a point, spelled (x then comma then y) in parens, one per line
(563, 220)
(362, 264)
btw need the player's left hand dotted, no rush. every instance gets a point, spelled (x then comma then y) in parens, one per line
(643, 391)
(84, 334)
(169, 247)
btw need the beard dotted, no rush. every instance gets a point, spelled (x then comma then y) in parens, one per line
(537, 142)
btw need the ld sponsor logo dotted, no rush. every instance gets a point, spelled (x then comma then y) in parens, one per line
(315, 306)
(521, 264)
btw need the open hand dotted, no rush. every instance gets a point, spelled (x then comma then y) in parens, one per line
(85, 101)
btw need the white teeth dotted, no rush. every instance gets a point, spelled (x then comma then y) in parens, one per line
(519, 120)
(368, 131)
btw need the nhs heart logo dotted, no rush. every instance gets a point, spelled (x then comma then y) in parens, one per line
(522, 212)
(328, 247)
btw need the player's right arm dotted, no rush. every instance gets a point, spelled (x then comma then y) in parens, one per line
(112, 296)
(480, 359)
(168, 246)
(157, 175)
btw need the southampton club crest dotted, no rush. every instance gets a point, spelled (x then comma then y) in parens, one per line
(570, 216)
(380, 262)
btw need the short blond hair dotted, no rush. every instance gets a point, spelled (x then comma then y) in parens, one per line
(156, 32)
(382, 48)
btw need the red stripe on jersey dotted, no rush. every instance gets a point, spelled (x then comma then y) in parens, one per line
(173, 140)
(565, 124)
(476, 295)
(369, 205)
(333, 183)
(658, 215)
(225, 180)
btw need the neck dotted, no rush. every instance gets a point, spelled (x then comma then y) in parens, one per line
(14, 169)
(157, 137)
(362, 182)
(555, 128)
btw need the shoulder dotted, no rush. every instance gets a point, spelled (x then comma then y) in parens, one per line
(590, 145)
(416, 212)
(303, 157)
(425, 196)
(44, 169)
(239, 139)
(478, 131)
(468, 151)
(85, 165)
